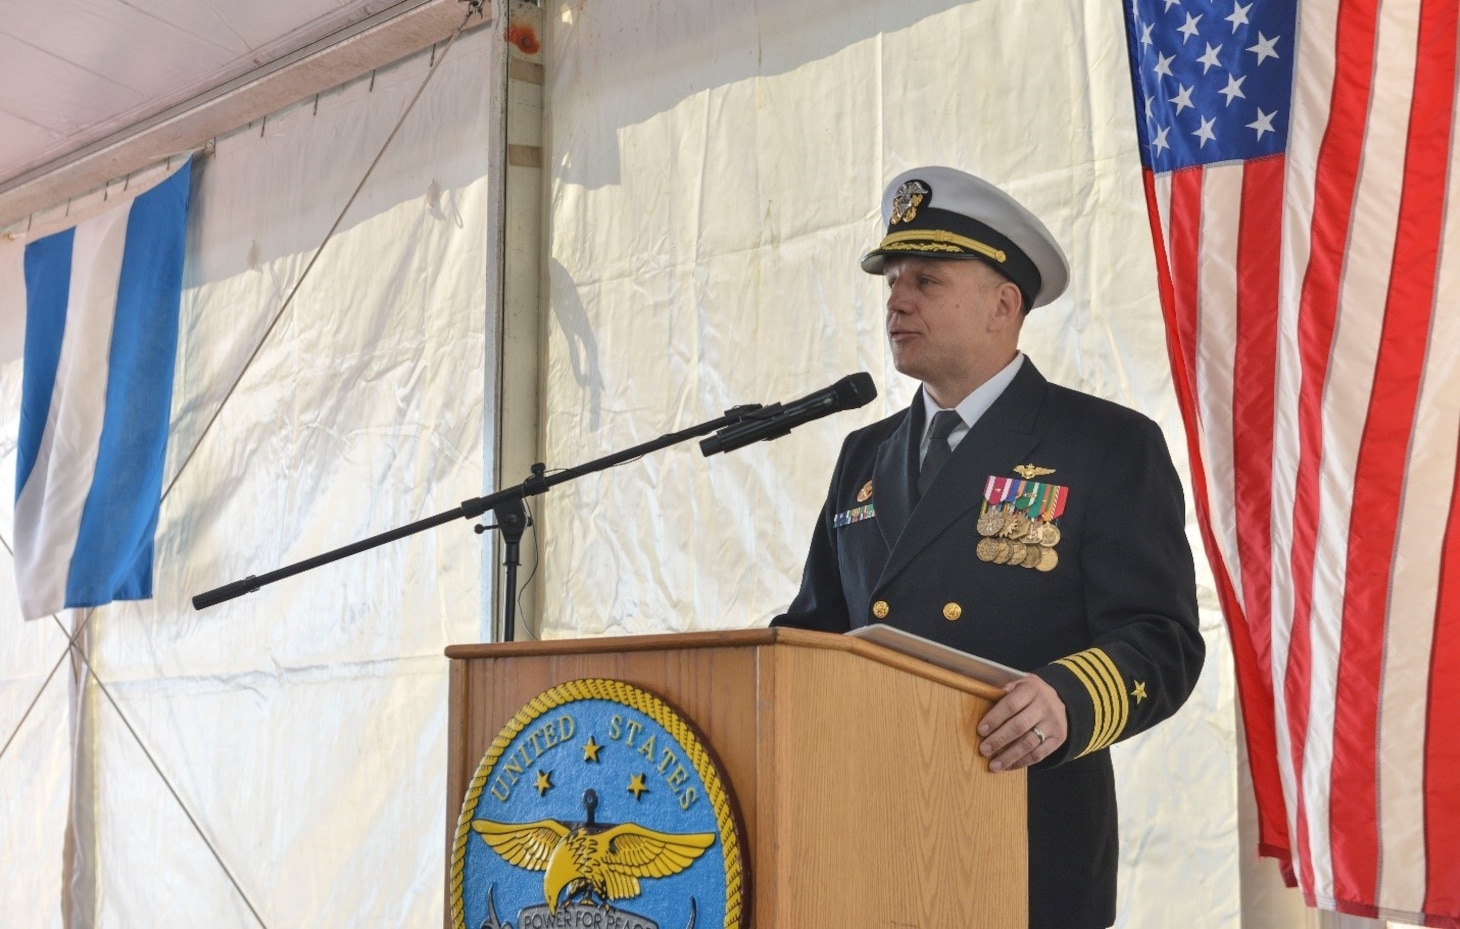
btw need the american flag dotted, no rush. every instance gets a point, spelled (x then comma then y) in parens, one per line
(1297, 172)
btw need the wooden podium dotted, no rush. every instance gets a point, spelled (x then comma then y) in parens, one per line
(856, 769)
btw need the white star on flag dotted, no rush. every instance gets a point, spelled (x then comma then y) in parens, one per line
(1239, 15)
(1205, 133)
(1209, 58)
(1189, 29)
(1182, 98)
(1264, 47)
(1233, 88)
(1159, 143)
(1146, 34)
(1263, 123)
(1163, 64)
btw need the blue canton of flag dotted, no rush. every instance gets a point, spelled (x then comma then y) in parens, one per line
(1213, 80)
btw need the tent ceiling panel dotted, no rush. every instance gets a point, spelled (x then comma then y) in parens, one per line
(21, 132)
(81, 78)
(102, 37)
(52, 93)
(100, 43)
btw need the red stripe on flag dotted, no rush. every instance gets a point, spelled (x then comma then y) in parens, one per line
(1185, 274)
(1383, 450)
(1441, 748)
(1254, 376)
(1335, 177)
(1441, 770)
(1259, 725)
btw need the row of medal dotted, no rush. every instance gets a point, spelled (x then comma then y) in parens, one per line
(1013, 538)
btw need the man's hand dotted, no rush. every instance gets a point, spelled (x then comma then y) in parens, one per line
(1010, 741)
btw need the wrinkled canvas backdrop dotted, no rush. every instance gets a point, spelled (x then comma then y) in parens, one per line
(715, 173)
(303, 725)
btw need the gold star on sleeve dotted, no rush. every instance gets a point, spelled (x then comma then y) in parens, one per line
(637, 786)
(1140, 692)
(544, 782)
(590, 750)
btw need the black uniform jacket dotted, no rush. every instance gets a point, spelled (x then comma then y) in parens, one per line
(1112, 627)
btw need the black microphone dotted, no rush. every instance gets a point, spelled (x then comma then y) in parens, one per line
(776, 420)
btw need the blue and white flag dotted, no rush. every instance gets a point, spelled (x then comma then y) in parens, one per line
(101, 327)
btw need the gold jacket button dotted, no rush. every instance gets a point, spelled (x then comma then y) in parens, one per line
(952, 611)
(880, 609)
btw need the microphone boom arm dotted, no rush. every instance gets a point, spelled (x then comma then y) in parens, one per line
(739, 426)
(539, 483)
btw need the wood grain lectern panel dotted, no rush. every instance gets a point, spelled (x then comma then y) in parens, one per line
(856, 770)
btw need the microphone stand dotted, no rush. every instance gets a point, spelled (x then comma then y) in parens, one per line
(506, 506)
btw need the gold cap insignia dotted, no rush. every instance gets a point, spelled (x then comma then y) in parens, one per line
(865, 493)
(906, 201)
(1029, 472)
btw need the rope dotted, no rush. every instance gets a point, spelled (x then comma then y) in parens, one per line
(46, 683)
(474, 8)
(54, 668)
(91, 672)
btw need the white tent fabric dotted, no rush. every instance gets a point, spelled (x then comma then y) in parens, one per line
(304, 726)
(716, 171)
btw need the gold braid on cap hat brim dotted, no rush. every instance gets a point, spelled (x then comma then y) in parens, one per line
(938, 240)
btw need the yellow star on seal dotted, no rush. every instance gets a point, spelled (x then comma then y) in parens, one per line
(590, 750)
(637, 785)
(544, 782)
(1140, 692)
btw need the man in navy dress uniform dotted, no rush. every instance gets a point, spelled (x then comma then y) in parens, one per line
(1014, 519)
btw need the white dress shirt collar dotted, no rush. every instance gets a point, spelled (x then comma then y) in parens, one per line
(972, 407)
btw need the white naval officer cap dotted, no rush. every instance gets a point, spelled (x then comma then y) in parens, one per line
(935, 212)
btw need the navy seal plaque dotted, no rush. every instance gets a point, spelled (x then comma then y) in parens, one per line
(598, 807)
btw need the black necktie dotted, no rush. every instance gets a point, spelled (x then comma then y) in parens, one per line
(944, 422)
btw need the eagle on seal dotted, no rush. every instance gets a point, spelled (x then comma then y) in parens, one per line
(592, 860)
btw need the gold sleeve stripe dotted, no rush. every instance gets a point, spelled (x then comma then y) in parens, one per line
(1109, 697)
(1122, 699)
(1095, 701)
(1108, 700)
(1110, 675)
(913, 237)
